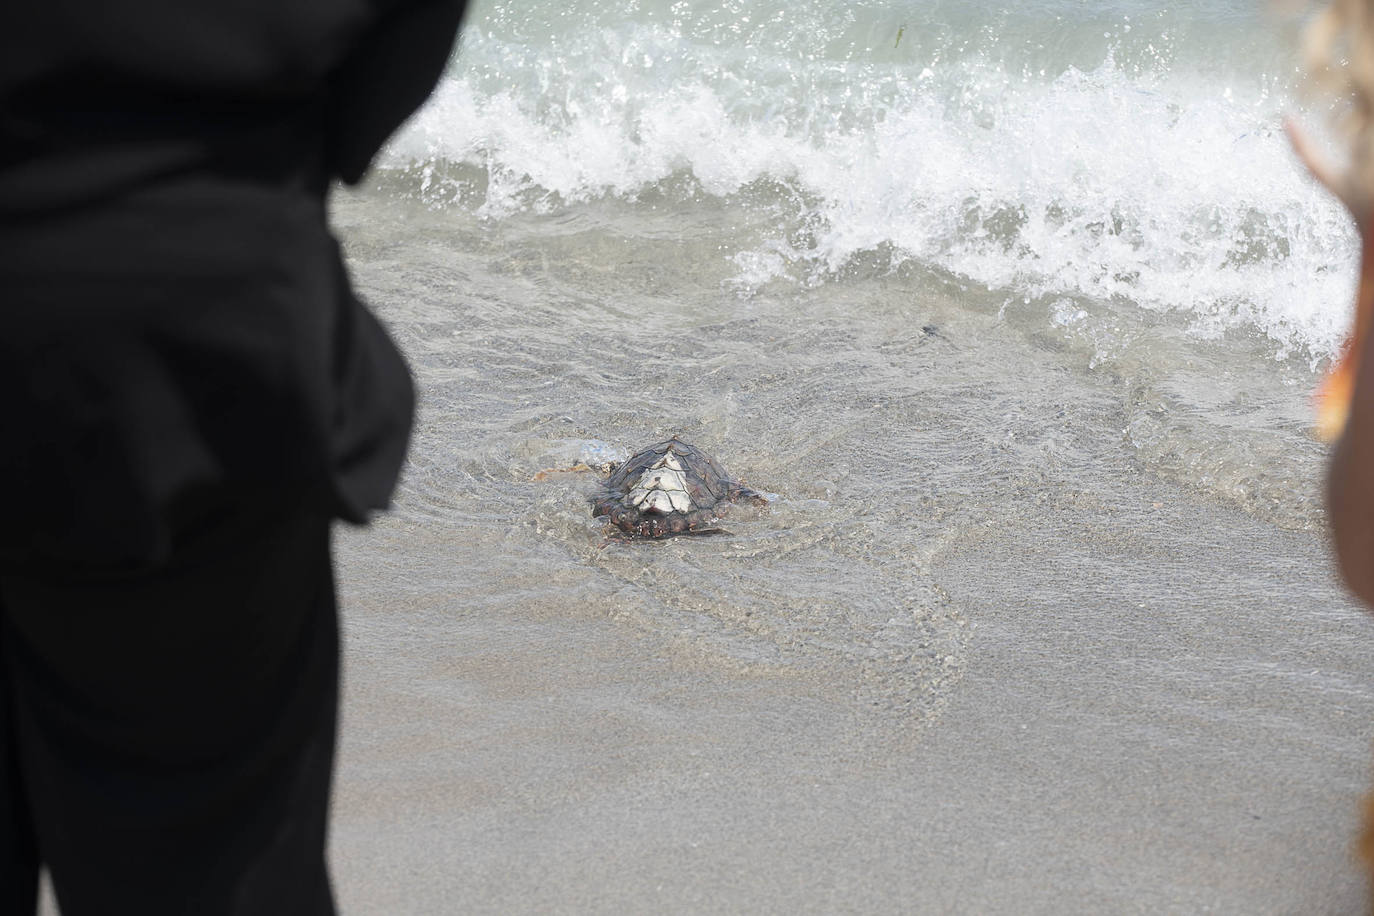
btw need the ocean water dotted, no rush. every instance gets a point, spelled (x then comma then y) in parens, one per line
(930, 275)
(1111, 152)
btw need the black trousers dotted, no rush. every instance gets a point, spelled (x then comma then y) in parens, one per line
(167, 739)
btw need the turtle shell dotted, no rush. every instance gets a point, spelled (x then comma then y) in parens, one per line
(670, 487)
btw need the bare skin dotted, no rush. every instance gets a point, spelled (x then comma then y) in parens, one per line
(1350, 473)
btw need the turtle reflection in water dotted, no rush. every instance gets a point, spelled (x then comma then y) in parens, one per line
(669, 488)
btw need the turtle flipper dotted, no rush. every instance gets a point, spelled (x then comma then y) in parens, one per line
(578, 468)
(745, 495)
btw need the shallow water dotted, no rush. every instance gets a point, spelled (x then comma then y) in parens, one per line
(891, 417)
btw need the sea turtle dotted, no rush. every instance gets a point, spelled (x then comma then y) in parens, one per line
(669, 488)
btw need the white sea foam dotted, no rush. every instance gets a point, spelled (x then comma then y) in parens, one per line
(1158, 183)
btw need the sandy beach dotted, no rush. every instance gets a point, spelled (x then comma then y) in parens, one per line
(1202, 754)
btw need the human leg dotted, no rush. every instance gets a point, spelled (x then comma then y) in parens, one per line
(175, 730)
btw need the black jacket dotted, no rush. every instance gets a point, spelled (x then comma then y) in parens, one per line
(177, 332)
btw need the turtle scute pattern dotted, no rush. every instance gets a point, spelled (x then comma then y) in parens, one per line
(670, 487)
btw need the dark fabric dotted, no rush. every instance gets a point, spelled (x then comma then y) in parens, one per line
(18, 845)
(175, 318)
(173, 732)
(189, 391)
(98, 96)
(393, 70)
(193, 337)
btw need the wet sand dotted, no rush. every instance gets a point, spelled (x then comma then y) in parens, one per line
(1204, 755)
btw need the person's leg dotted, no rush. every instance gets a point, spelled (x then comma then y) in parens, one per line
(176, 730)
